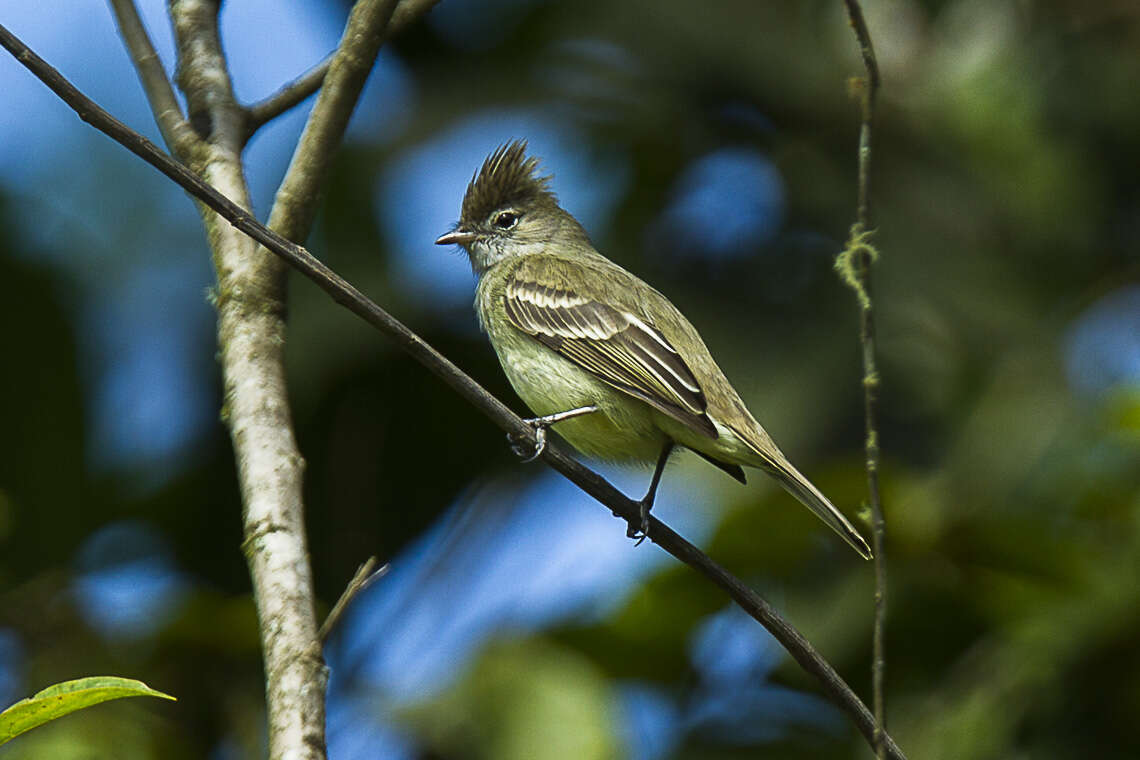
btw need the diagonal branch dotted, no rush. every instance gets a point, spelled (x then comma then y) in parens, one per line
(554, 455)
(175, 129)
(295, 204)
(361, 579)
(855, 264)
(292, 94)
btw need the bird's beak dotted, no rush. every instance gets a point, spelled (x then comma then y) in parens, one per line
(455, 237)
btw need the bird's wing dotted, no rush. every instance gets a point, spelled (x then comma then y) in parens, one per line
(610, 342)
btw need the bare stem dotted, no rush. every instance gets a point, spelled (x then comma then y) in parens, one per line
(362, 579)
(294, 93)
(291, 95)
(159, 92)
(295, 204)
(856, 261)
(554, 455)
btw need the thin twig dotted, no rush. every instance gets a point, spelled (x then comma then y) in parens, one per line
(361, 580)
(160, 92)
(168, 114)
(295, 204)
(870, 90)
(858, 257)
(294, 93)
(289, 96)
(554, 455)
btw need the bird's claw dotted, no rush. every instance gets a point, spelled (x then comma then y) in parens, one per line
(642, 531)
(540, 424)
(517, 444)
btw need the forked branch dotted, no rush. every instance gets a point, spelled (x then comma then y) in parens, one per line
(294, 93)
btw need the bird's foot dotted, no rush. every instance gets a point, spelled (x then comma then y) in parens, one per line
(641, 532)
(520, 446)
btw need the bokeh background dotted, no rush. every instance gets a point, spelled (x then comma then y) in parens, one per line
(710, 148)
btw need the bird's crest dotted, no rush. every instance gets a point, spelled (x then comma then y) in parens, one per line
(508, 177)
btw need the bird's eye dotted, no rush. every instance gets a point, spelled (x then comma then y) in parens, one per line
(506, 220)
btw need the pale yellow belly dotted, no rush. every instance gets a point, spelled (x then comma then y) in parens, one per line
(623, 428)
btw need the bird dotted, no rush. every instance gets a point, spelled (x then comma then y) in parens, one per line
(594, 350)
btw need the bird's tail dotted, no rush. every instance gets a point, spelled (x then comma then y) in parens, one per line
(800, 487)
(777, 465)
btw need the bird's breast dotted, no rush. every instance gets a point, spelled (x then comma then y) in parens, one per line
(623, 428)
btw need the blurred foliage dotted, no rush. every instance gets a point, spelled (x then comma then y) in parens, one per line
(1005, 192)
(523, 700)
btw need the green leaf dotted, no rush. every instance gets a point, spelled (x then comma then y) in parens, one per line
(67, 697)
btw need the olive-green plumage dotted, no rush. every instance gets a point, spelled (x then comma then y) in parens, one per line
(573, 329)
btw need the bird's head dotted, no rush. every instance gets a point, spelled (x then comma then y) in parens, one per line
(509, 211)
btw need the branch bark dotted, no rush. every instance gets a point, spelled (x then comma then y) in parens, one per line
(251, 331)
(856, 262)
(294, 93)
(164, 105)
(554, 455)
(296, 202)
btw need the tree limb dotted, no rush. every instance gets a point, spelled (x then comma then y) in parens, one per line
(554, 455)
(856, 262)
(292, 94)
(251, 340)
(295, 204)
(164, 105)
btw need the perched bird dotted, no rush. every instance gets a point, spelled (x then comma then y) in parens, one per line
(593, 349)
